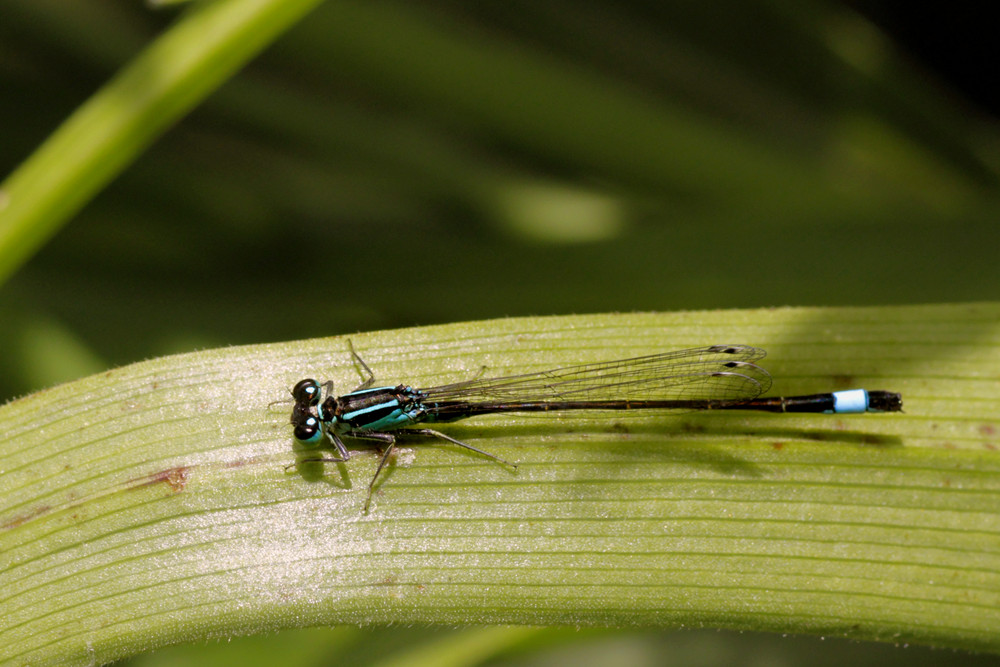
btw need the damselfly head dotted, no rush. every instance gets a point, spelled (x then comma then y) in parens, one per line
(307, 392)
(307, 425)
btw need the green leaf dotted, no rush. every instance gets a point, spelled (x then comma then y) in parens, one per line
(107, 133)
(150, 504)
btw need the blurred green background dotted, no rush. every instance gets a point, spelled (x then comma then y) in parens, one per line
(390, 164)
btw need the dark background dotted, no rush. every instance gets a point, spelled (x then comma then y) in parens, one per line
(954, 44)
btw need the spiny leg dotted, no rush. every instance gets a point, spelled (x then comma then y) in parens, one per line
(390, 440)
(327, 387)
(338, 443)
(442, 436)
(359, 361)
(341, 449)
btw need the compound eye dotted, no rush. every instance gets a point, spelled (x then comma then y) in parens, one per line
(306, 392)
(308, 430)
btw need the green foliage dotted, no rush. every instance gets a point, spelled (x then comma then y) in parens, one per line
(151, 504)
(386, 164)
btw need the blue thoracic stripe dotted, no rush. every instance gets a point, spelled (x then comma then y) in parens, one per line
(387, 406)
(367, 406)
(855, 400)
(366, 392)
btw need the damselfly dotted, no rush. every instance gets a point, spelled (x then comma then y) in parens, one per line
(719, 377)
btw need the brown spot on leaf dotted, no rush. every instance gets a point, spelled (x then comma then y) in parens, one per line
(25, 518)
(175, 478)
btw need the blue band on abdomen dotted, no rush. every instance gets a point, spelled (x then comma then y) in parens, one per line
(855, 400)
